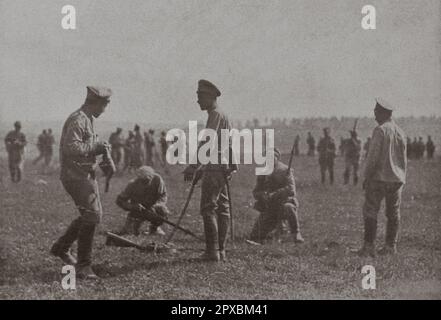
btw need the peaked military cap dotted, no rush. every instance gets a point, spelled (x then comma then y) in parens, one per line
(99, 92)
(384, 104)
(208, 87)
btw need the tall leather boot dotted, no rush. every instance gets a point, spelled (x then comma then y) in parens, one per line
(85, 244)
(211, 238)
(61, 248)
(370, 234)
(223, 226)
(392, 227)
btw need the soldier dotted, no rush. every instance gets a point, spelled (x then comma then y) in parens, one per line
(138, 150)
(116, 140)
(385, 175)
(276, 200)
(366, 146)
(15, 142)
(326, 150)
(79, 148)
(430, 147)
(415, 148)
(129, 147)
(49, 148)
(150, 146)
(41, 142)
(352, 153)
(144, 197)
(215, 209)
(296, 146)
(421, 148)
(164, 146)
(311, 145)
(409, 147)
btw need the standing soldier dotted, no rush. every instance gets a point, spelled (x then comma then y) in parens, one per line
(15, 142)
(215, 209)
(430, 147)
(385, 175)
(116, 140)
(129, 147)
(296, 146)
(48, 149)
(276, 201)
(421, 148)
(326, 150)
(311, 144)
(352, 153)
(150, 147)
(79, 148)
(164, 146)
(409, 147)
(415, 148)
(41, 142)
(138, 150)
(144, 197)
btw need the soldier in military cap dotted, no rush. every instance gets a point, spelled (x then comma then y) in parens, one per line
(352, 154)
(326, 150)
(276, 200)
(215, 209)
(138, 150)
(145, 198)
(430, 147)
(116, 140)
(15, 142)
(41, 143)
(49, 148)
(150, 145)
(385, 175)
(79, 148)
(311, 144)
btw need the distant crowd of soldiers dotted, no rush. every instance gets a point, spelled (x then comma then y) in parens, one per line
(138, 149)
(417, 148)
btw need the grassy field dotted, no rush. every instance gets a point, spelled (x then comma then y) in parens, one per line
(34, 214)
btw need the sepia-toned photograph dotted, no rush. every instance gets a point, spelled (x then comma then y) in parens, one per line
(238, 152)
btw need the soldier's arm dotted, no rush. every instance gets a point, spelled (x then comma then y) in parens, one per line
(289, 189)
(374, 153)
(124, 199)
(74, 145)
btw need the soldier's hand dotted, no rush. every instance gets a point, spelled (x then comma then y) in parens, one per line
(138, 207)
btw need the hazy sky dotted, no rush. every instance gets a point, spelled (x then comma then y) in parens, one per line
(269, 58)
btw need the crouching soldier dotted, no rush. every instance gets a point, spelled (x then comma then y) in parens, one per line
(145, 198)
(276, 201)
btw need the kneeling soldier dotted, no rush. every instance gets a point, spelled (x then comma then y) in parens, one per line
(276, 201)
(145, 198)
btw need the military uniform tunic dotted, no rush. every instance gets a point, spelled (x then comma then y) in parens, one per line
(78, 164)
(276, 200)
(385, 170)
(15, 146)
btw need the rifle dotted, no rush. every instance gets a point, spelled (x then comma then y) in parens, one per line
(161, 219)
(291, 157)
(193, 184)
(118, 241)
